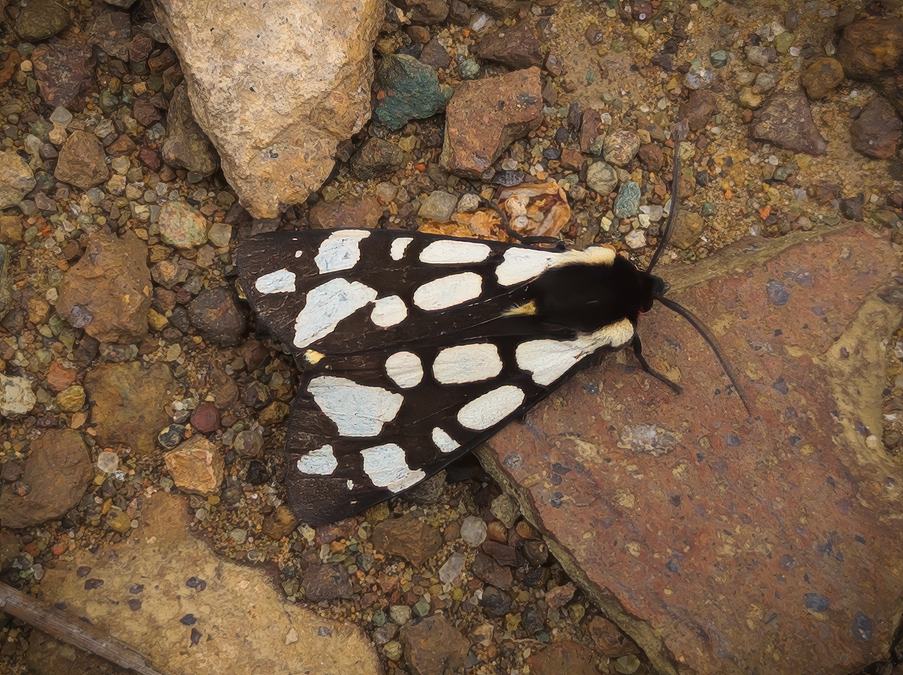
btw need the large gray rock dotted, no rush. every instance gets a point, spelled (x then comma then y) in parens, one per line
(272, 93)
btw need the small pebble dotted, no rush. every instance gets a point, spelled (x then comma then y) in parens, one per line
(473, 531)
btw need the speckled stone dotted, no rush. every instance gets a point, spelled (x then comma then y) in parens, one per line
(627, 203)
(620, 147)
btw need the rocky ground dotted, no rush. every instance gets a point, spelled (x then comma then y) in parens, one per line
(128, 362)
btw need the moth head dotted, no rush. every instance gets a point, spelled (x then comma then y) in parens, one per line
(654, 288)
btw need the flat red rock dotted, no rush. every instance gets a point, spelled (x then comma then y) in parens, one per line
(720, 543)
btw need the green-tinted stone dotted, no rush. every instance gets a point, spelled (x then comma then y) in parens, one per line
(783, 42)
(719, 58)
(627, 203)
(411, 89)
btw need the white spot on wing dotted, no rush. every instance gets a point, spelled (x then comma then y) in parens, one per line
(298, 254)
(522, 264)
(328, 304)
(443, 441)
(388, 311)
(280, 281)
(491, 408)
(398, 247)
(454, 252)
(321, 462)
(404, 369)
(467, 363)
(448, 291)
(547, 360)
(387, 467)
(349, 484)
(357, 410)
(340, 250)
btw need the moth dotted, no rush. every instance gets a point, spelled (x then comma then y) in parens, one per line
(415, 348)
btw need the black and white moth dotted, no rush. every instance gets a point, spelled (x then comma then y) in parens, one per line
(415, 348)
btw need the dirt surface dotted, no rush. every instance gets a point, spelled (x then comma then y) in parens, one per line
(74, 77)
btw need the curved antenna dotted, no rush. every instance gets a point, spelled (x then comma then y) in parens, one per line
(706, 334)
(680, 133)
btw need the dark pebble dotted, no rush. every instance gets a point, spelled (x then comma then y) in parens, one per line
(536, 553)
(91, 584)
(195, 636)
(502, 553)
(134, 604)
(257, 473)
(171, 436)
(196, 583)
(495, 603)
(217, 317)
(188, 620)
(777, 293)
(816, 602)
(851, 207)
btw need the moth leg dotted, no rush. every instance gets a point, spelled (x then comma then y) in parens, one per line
(644, 364)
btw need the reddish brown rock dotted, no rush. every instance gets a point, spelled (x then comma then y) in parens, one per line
(491, 572)
(608, 638)
(821, 76)
(434, 645)
(698, 108)
(872, 50)
(59, 377)
(354, 212)
(82, 161)
(112, 32)
(9, 64)
(64, 70)
(56, 474)
(217, 316)
(516, 46)
(326, 582)
(407, 537)
(205, 418)
(651, 155)
(563, 657)
(723, 543)
(435, 55)
(108, 291)
(786, 121)
(876, 132)
(128, 403)
(485, 116)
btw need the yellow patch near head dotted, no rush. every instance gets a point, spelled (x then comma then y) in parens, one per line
(526, 309)
(313, 357)
(594, 255)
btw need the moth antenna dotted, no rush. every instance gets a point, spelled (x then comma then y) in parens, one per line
(511, 232)
(680, 133)
(706, 334)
